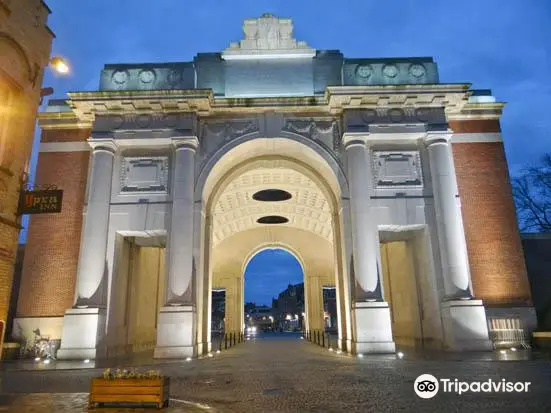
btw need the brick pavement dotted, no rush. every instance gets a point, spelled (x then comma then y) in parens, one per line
(285, 374)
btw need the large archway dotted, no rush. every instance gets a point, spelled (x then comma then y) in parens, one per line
(272, 193)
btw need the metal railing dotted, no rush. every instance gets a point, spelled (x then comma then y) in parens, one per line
(227, 340)
(321, 338)
(505, 332)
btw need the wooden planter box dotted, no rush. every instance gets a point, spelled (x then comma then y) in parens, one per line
(135, 391)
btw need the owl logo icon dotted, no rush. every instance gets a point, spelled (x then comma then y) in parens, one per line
(426, 386)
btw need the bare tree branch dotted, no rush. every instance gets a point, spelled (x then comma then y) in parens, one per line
(532, 195)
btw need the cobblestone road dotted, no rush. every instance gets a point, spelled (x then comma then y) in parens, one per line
(286, 374)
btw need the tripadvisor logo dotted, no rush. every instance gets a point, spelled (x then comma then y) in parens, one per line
(426, 386)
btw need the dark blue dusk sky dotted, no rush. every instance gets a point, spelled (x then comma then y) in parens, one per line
(504, 45)
(270, 272)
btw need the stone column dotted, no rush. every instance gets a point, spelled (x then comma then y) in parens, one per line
(373, 331)
(365, 240)
(84, 324)
(449, 223)
(180, 243)
(463, 318)
(176, 329)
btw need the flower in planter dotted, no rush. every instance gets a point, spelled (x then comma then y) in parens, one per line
(131, 374)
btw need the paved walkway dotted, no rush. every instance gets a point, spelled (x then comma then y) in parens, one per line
(286, 374)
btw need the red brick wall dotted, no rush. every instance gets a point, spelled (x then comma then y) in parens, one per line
(65, 135)
(493, 240)
(51, 254)
(475, 126)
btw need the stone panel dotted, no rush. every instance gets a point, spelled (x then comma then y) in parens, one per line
(279, 77)
(397, 169)
(144, 174)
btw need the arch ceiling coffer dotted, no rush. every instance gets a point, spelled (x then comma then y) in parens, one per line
(236, 210)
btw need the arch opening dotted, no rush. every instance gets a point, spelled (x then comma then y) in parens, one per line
(274, 292)
(285, 202)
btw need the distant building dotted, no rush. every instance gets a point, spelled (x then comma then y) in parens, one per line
(330, 308)
(260, 317)
(289, 307)
(218, 310)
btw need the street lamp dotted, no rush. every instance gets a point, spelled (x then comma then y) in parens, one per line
(60, 65)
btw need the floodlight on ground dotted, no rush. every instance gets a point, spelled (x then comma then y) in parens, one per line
(502, 351)
(360, 355)
(217, 351)
(400, 355)
(86, 361)
(188, 359)
(330, 349)
(37, 359)
(513, 349)
(60, 65)
(47, 361)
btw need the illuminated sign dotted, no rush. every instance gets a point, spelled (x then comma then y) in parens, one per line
(40, 202)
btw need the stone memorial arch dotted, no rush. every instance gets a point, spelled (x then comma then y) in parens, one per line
(380, 180)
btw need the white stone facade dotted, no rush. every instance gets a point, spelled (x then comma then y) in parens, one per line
(371, 174)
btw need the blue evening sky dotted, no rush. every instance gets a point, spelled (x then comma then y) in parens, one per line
(270, 272)
(504, 45)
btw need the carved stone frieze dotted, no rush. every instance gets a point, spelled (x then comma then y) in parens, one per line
(359, 120)
(325, 131)
(396, 169)
(144, 121)
(144, 174)
(230, 130)
(217, 132)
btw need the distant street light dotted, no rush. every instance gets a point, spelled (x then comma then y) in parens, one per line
(60, 65)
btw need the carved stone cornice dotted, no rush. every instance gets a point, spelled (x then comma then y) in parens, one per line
(482, 110)
(62, 120)
(382, 104)
(452, 97)
(86, 105)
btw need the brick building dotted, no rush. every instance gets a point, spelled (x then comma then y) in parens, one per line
(386, 184)
(289, 303)
(25, 45)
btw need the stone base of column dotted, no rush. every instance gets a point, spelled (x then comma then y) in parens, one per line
(82, 335)
(176, 333)
(465, 326)
(373, 328)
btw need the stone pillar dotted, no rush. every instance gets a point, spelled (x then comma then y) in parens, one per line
(176, 329)
(314, 301)
(84, 324)
(464, 319)
(233, 315)
(373, 332)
